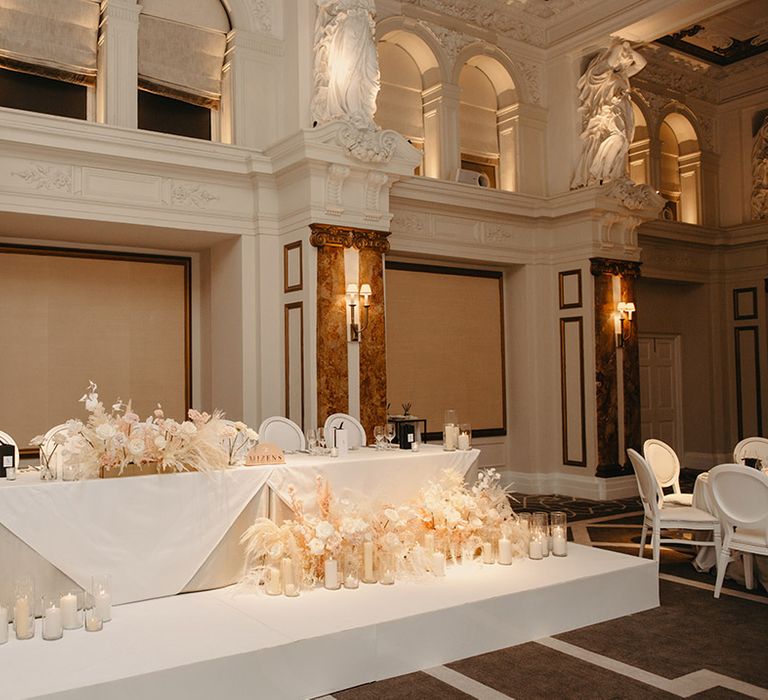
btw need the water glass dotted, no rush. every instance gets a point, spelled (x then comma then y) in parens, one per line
(378, 434)
(312, 441)
(389, 433)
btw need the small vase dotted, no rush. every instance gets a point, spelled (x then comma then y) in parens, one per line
(47, 473)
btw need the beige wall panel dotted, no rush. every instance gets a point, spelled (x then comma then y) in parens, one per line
(121, 323)
(444, 347)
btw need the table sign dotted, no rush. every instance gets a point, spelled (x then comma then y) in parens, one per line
(7, 460)
(341, 441)
(264, 453)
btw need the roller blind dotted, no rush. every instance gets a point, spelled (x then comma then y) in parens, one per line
(181, 61)
(53, 38)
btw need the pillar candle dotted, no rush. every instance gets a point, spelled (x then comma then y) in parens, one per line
(289, 581)
(331, 578)
(368, 562)
(438, 564)
(429, 542)
(69, 615)
(274, 584)
(52, 628)
(21, 618)
(505, 551)
(488, 553)
(534, 549)
(559, 542)
(103, 603)
(463, 441)
(3, 625)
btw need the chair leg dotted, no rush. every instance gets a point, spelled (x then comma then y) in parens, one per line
(749, 572)
(642, 539)
(656, 535)
(722, 565)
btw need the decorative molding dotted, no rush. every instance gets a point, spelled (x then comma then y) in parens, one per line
(745, 304)
(269, 45)
(496, 233)
(569, 403)
(261, 12)
(606, 266)
(288, 284)
(368, 145)
(532, 75)
(680, 79)
(191, 195)
(633, 196)
(334, 186)
(411, 223)
(374, 183)
(348, 237)
(742, 389)
(296, 306)
(46, 177)
(453, 42)
(565, 303)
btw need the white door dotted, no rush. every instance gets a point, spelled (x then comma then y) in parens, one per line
(660, 399)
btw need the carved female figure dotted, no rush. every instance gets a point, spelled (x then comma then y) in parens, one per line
(346, 64)
(760, 173)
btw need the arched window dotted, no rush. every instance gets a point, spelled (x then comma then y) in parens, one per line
(48, 55)
(181, 54)
(477, 125)
(399, 104)
(680, 168)
(640, 149)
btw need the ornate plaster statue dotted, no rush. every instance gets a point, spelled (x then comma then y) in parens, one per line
(760, 173)
(606, 111)
(346, 81)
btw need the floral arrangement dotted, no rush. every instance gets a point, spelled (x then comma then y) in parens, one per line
(110, 441)
(448, 516)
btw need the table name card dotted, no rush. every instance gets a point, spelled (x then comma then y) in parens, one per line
(264, 453)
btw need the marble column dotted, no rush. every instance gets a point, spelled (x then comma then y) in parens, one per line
(610, 409)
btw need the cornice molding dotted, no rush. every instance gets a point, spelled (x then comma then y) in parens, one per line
(348, 237)
(628, 269)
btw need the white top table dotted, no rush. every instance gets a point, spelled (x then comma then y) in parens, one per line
(154, 533)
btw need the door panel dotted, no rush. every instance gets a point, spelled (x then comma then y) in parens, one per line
(659, 390)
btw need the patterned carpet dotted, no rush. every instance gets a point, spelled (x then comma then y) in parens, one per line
(692, 646)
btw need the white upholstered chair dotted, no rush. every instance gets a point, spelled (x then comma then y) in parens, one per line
(282, 432)
(8, 440)
(668, 516)
(752, 447)
(353, 426)
(741, 496)
(666, 468)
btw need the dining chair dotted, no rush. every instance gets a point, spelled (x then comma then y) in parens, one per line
(354, 428)
(659, 515)
(282, 432)
(752, 447)
(6, 439)
(741, 496)
(666, 468)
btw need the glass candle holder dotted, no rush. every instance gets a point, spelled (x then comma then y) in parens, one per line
(369, 562)
(450, 431)
(525, 526)
(5, 615)
(545, 539)
(101, 588)
(290, 580)
(387, 568)
(537, 538)
(489, 557)
(331, 574)
(505, 555)
(464, 439)
(273, 583)
(24, 608)
(71, 604)
(52, 620)
(559, 533)
(351, 569)
(93, 619)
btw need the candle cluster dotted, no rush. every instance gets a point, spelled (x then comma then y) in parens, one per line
(345, 543)
(69, 610)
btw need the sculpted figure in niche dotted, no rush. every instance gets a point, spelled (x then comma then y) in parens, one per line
(346, 80)
(760, 173)
(606, 111)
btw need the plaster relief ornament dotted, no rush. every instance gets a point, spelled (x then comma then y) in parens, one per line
(760, 173)
(606, 110)
(346, 81)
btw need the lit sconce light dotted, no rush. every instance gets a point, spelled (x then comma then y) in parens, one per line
(624, 311)
(353, 301)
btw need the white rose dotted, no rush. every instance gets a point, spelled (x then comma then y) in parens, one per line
(324, 530)
(136, 446)
(252, 434)
(106, 431)
(316, 546)
(239, 425)
(188, 428)
(160, 442)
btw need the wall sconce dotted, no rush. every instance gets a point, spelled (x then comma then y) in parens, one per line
(624, 311)
(353, 301)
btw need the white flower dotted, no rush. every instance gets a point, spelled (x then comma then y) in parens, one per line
(188, 428)
(239, 425)
(171, 426)
(92, 403)
(452, 516)
(392, 514)
(352, 526)
(119, 440)
(160, 442)
(276, 550)
(252, 434)
(59, 438)
(74, 426)
(37, 440)
(229, 431)
(324, 530)
(106, 431)
(316, 546)
(136, 446)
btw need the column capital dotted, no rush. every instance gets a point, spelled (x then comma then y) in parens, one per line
(607, 266)
(348, 237)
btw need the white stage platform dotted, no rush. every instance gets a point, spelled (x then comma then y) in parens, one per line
(225, 644)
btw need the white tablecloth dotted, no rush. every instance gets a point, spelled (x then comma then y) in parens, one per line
(388, 476)
(151, 533)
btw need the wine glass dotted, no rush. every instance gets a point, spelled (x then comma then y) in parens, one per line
(312, 441)
(321, 439)
(389, 433)
(378, 433)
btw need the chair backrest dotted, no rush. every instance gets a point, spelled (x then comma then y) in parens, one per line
(664, 463)
(752, 447)
(47, 446)
(741, 495)
(650, 491)
(8, 440)
(282, 432)
(353, 426)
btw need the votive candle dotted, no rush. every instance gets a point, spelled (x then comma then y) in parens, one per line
(488, 557)
(331, 577)
(505, 551)
(93, 621)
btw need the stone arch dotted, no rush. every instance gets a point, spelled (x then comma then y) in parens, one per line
(498, 67)
(420, 44)
(684, 127)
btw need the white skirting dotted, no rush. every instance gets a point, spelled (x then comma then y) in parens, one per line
(223, 643)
